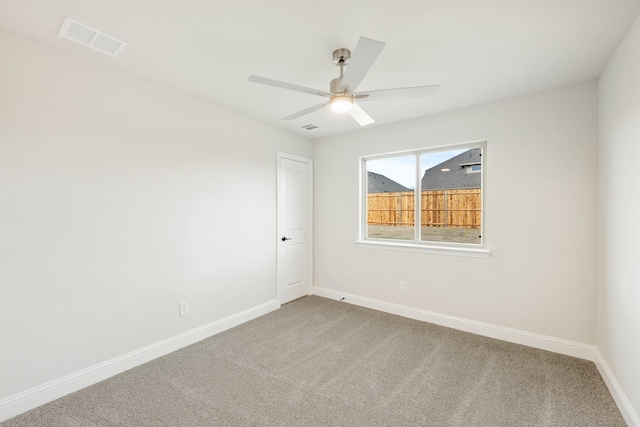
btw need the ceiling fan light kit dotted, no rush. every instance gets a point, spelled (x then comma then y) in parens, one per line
(341, 103)
(342, 90)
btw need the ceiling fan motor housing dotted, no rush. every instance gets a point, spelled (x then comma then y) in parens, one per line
(335, 84)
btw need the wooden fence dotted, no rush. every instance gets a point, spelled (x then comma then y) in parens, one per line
(440, 208)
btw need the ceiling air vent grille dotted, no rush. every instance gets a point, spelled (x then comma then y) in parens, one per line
(90, 37)
(311, 127)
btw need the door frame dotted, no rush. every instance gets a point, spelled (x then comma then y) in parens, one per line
(308, 232)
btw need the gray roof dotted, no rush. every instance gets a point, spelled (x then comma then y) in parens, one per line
(377, 183)
(457, 176)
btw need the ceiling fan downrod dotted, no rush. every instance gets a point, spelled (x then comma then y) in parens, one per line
(341, 58)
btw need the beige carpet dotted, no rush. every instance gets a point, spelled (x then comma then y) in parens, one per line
(319, 362)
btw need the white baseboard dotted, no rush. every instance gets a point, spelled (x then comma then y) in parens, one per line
(544, 342)
(627, 410)
(37, 396)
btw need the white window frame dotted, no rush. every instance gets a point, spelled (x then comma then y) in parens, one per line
(445, 248)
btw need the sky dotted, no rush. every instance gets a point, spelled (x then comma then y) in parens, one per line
(402, 169)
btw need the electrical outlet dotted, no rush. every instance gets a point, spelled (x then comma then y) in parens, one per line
(403, 286)
(184, 308)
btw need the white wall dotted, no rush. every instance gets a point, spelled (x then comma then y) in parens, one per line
(118, 199)
(540, 217)
(618, 332)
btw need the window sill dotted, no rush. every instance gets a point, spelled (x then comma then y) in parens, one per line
(429, 249)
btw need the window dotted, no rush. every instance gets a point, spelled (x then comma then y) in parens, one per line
(429, 200)
(474, 168)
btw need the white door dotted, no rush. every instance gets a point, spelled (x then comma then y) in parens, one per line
(294, 238)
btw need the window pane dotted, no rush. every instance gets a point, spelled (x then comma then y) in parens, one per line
(390, 198)
(451, 209)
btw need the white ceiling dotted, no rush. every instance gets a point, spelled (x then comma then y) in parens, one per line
(479, 50)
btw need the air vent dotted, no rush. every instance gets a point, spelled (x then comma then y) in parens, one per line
(87, 36)
(311, 127)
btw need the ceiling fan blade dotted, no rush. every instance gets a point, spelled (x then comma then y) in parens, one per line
(306, 111)
(362, 58)
(360, 116)
(399, 93)
(285, 85)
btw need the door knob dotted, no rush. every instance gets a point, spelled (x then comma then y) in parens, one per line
(286, 238)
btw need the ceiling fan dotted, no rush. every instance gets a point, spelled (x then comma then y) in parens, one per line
(342, 90)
